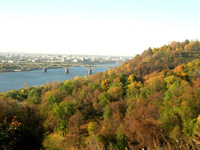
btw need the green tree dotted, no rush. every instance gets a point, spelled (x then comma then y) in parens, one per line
(121, 139)
(63, 111)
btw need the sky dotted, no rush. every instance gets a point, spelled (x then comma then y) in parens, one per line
(95, 27)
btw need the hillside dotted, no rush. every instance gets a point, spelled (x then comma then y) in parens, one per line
(150, 102)
(164, 57)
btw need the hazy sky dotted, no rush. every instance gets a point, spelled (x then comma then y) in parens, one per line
(100, 27)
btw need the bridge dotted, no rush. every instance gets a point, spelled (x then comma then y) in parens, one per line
(45, 66)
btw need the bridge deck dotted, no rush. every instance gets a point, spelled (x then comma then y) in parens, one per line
(45, 66)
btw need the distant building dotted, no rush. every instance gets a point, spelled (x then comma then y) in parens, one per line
(82, 59)
(11, 61)
(4, 61)
(75, 60)
(35, 60)
(63, 59)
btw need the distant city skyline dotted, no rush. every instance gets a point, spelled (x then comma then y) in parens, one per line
(90, 27)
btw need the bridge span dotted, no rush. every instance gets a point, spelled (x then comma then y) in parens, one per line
(88, 67)
(45, 66)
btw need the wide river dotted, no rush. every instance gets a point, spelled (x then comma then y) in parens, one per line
(16, 80)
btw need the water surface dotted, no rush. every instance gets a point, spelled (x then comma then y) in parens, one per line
(16, 80)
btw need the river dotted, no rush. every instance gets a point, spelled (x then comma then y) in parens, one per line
(15, 80)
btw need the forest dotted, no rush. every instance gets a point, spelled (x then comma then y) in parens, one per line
(149, 102)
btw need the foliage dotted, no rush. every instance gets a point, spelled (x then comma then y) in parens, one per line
(9, 133)
(21, 126)
(149, 102)
(63, 111)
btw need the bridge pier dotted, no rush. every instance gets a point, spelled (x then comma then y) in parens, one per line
(44, 69)
(66, 70)
(89, 71)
